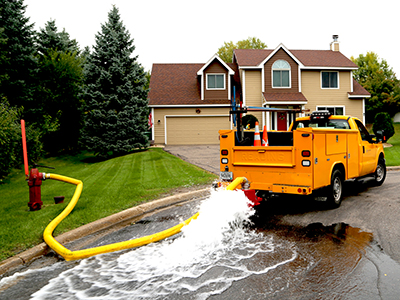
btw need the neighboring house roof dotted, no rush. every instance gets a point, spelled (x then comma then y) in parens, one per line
(358, 91)
(308, 58)
(179, 84)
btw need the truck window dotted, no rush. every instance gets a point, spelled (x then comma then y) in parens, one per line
(323, 123)
(363, 131)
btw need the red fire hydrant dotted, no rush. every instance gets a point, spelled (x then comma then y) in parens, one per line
(34, 182)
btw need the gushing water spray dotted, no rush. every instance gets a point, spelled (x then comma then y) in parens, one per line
(213, 251)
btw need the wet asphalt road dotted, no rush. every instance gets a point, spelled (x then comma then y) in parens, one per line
(352, 252)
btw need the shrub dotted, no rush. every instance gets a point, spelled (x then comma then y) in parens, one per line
(383, 121)
(11, 141)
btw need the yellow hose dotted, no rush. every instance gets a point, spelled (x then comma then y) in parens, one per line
(79, 254)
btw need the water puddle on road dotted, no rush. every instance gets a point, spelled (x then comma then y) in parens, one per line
(215, 250)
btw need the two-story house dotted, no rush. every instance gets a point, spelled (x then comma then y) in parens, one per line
(190, 102)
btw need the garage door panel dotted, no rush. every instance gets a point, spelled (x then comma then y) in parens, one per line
(195, 130)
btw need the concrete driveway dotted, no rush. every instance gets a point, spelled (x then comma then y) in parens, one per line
(203, 156)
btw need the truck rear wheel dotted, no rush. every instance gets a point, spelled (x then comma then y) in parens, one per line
(380, 172)
(335, 190)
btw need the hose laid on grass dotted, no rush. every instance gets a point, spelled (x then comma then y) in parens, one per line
(79, 254)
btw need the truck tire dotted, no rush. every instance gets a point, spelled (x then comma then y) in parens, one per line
(335, 190)
(380, 172)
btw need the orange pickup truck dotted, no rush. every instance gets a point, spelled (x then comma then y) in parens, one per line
(317, 154)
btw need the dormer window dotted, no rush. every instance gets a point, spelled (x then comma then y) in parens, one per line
(281, 74)
(215, 81)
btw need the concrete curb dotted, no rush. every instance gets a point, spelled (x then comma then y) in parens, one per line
(393, 168)
(107, 222)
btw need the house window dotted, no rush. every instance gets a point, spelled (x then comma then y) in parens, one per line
(339, 110)
(281, 74)
(330, 80)
(215, 81)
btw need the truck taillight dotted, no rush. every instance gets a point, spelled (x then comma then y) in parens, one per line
(224, 160)
(306, 153)
(224, 152)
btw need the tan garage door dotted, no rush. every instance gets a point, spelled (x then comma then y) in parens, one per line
(195, 130)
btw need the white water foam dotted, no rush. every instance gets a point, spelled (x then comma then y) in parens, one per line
(214, 250)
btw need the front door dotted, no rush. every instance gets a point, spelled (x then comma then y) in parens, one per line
(282, 121)
(367, 150)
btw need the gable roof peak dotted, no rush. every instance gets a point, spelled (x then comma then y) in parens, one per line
(215, 56)
(281, 46)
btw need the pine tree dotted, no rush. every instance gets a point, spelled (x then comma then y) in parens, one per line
(50, 39)
(115, 93)
(59, 86)
(3, 59)
(20, 66)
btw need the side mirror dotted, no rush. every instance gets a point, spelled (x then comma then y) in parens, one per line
(371, 138)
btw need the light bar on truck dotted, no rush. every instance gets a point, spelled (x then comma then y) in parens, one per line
(320, 114)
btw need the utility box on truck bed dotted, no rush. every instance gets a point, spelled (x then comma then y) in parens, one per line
(318, 153)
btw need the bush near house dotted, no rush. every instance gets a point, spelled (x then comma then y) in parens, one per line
(383, 121)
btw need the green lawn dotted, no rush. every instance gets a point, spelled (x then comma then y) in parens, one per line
(392, 154)
(108, 187)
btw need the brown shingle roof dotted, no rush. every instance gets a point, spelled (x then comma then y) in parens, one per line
(251, 57)
(358, 90)
(309, 58)
(284, 97)
(178, 84)
(323, 58)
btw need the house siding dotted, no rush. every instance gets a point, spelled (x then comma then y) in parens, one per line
(281, 54)
(253, 91)
(316, 96)
(215, 68)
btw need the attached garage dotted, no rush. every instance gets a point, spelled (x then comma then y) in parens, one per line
(194, 130)
(190, 103)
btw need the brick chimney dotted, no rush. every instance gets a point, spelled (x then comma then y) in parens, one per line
(335, 43)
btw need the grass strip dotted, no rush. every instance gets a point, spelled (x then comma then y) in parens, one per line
(108, 187)
(392, 154)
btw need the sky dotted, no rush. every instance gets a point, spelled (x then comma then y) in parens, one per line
(177, 31)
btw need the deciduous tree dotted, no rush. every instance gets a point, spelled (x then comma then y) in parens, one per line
(226, 51)
(115, 94)
(378, 78)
